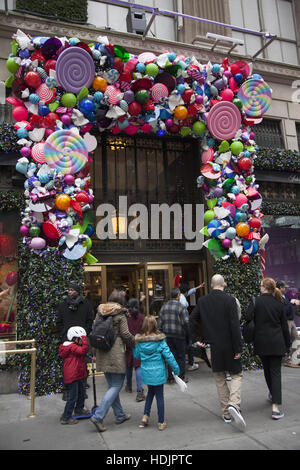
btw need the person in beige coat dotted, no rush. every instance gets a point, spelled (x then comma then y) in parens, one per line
(113, 362)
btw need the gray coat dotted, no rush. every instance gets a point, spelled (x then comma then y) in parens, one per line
(114, 360)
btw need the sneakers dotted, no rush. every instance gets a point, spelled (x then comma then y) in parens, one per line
(193, 367)
(162, 426)
(140, 396)
(144, 422)
(126, 418)
(99, 426)
(277, 414)
(68, 421)
(226, 419)
(237, 417)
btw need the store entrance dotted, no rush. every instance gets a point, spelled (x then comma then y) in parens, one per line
(151, 283)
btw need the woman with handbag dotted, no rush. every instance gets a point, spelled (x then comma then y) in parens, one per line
(271, 338)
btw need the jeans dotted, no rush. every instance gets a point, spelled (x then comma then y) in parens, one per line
(75, 398)
(139, 384)
(272, 372)
(158, 392)
(177, 347)
(111, 398)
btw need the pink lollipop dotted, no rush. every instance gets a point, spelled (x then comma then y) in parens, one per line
(75, 69)
(224, 120)
(37, 153)
(114, 95)
(209, 173)
(45, 94)
(158, 91)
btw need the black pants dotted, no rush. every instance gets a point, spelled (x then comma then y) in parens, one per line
(272, 371)
(177, 347)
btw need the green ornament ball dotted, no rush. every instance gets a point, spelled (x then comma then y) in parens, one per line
(185, 131)
(208, 216)
(34, 231)
(152, 70)
(69, 100)
(142, 96)
(238, 103)
(199, 127)
(236, 147)
(11, 65)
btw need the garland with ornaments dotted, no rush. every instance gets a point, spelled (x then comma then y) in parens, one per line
(64, 89)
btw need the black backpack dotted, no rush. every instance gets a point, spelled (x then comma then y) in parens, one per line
(103, 336)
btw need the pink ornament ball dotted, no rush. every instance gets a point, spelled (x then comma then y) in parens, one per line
(37, 243)
(199, 99)
(24, 230)
(227, 95)
(66, 119)
(25, 152)
(69, 180)
(226, 243)
(20, 113)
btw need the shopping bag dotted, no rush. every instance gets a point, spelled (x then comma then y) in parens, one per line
(181, 384)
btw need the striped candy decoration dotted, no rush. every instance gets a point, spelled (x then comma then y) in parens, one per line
(66, 152)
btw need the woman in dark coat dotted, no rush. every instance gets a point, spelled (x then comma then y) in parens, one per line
(135, 323)
(271, 338)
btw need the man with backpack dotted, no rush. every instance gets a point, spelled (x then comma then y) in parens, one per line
(110, 355)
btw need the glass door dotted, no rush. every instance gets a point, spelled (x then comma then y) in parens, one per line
(158, 283)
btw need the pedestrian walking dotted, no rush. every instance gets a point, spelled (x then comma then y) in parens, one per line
(135, 323)
(173, 321)
(220, 328)
(185, 292)
(113, 362)
(75, 310)
(271, 338)
(73, 351)
(288, 310)
(152, 349)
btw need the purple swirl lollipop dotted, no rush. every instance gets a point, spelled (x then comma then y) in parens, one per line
(75, 69)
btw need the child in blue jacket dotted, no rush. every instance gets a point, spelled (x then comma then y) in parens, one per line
(153, 350)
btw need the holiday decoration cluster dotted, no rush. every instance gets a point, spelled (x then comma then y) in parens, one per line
(63, 90)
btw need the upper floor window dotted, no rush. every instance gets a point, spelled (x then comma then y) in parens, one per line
(274, 16)
(269, 134)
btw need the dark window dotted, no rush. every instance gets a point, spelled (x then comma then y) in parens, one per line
(268, 134)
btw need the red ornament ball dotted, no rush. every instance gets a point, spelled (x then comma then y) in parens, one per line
(255, 223)
(32, 79)
(245, 163)
(245, 258)
(11, 278)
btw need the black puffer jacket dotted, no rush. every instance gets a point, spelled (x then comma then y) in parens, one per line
(66, 318)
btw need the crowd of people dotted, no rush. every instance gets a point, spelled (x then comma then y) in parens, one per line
(156, 349)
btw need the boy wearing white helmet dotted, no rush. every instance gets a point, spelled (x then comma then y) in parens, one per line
(73, 352)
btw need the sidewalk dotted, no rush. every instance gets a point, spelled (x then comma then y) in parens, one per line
(194, 420)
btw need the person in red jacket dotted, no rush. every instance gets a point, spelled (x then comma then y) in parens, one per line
(73, 352)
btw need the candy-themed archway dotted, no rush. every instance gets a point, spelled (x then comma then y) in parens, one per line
(63, 90)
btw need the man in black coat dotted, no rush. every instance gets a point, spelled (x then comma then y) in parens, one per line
(217, 313)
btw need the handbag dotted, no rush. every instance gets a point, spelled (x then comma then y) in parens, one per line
(181, 384)
(249, 327)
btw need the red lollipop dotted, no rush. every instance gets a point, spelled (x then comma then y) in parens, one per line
(32, 79)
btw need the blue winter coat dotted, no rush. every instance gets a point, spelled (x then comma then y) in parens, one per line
(153, 350)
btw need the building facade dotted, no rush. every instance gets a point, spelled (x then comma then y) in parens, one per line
(169, 166)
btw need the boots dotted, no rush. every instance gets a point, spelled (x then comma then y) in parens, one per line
(140, 396)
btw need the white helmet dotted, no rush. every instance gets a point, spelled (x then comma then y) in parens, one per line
(75, 331)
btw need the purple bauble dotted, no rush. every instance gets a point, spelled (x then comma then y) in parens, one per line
(169, 122)
(69, 180)
(128, 96)
(226, 243)
(66, 119)
(24, 230)
(25, 152)
(217, 192)
(199, 99)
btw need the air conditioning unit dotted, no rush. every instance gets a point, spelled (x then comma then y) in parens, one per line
(136, 21)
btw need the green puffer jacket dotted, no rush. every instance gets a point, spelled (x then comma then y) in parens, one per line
(114, 360)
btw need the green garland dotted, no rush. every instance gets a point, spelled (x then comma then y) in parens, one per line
(243, 281)
(43, 284)
(277, 160)
(72, 10)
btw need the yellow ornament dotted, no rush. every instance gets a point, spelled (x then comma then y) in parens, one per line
(62, 202)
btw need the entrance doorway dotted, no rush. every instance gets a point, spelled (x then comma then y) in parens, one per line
(151, 283)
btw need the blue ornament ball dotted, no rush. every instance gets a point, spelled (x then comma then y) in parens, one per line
(22, 133)
(140, 67)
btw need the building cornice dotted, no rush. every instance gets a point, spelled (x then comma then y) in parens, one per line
(34, 25)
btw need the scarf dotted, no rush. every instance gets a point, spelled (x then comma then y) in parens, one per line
(74, 303)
